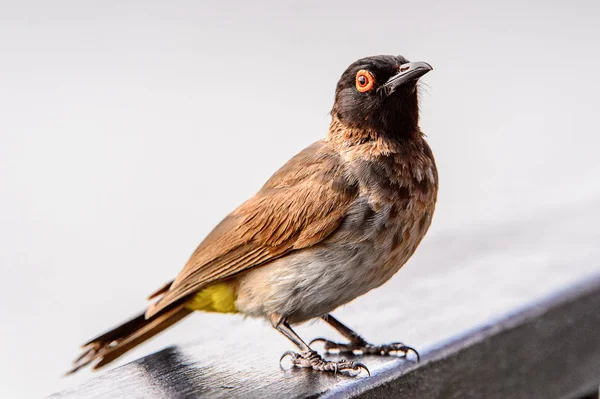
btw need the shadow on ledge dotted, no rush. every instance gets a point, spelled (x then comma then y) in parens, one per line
(548, 350)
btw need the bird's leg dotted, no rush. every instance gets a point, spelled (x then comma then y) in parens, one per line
(308, 357)
(358, 344)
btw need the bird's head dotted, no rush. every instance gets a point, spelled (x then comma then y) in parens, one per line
(380, 94)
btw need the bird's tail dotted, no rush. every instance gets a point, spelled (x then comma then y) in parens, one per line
(114, 343)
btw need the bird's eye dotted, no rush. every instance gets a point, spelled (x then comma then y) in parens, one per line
(364, 80)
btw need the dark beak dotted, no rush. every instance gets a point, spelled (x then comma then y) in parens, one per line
(409, 72)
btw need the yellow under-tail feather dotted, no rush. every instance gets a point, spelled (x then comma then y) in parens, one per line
(218, 298)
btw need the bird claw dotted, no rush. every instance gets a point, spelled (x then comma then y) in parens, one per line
(366, 348)
(293, 355)
(395, 347)
(311, 359)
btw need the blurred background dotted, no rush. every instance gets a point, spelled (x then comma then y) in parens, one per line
(129, 129)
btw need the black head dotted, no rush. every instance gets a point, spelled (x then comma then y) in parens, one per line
(380, 93)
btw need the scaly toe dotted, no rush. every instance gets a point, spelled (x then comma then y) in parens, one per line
(400, 347)
(311, 359)
(296, 359)
(355, 366)
(293, 355)
(339, 366)
(366, 349)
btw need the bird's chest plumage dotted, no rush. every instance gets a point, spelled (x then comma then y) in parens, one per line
(397, 195)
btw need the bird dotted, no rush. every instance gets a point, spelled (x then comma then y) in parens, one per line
(337, 220)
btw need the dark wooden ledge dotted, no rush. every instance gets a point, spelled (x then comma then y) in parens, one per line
(507, 311)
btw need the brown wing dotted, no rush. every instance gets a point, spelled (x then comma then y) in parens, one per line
(300, 205)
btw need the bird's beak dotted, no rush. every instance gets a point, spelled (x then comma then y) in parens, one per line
(409, 72)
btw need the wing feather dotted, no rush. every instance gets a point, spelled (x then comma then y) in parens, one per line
(299, 206)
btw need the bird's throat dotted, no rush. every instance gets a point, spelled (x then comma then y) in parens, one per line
(342, 135)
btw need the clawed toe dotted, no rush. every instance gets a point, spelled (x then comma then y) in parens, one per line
(399, 347)
(311, 359)
(293, 355)
(366, 349)
(351, 365)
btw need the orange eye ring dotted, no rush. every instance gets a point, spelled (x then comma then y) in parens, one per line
(364, 80)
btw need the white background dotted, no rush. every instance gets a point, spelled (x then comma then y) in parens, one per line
(129, 129)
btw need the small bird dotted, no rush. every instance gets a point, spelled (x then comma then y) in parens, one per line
(337, 220)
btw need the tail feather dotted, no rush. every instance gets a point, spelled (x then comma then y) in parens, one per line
(114, 343)
(161, 290)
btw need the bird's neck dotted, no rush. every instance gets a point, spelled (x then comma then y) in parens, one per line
(382, 140)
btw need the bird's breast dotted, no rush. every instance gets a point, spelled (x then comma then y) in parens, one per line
(394, 209)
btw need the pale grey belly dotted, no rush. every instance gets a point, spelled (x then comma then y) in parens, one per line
(315, 281)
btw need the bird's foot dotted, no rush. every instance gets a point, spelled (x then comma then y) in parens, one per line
(311, 359)
(363, 347)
